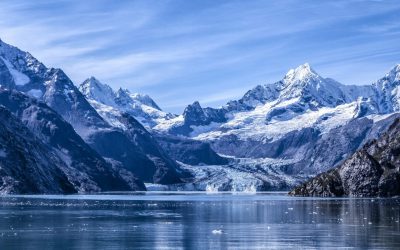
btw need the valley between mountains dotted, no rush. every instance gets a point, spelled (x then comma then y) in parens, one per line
(61, 137)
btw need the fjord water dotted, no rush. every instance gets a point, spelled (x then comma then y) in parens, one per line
(197, 221)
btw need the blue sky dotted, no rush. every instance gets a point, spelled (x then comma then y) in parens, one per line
(207, 50)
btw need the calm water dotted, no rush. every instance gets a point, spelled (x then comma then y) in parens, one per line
(197, 221)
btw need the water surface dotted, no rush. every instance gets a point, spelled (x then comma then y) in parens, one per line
(197, 221)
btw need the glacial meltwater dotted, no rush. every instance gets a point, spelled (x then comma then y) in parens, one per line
(197, 221)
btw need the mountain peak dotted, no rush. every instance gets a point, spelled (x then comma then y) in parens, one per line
(194, 107)
(300, 73)
(92, 88)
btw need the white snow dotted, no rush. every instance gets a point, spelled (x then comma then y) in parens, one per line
(253, 124)
(19, 77)
(108, 113)
(166, 124)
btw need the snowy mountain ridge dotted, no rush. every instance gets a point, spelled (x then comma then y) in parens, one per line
(302, 96)
(109, 102)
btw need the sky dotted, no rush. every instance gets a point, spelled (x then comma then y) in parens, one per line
(180, 51)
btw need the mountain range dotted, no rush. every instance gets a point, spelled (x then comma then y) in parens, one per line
(92, 138)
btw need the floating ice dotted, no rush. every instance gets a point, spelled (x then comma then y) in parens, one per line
(217, 231)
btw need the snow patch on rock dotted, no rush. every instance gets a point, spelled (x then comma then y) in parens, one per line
(19, 77)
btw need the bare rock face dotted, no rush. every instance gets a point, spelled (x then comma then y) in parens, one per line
(328, 184)
(360, 175)
(371, 171)
(27, 165)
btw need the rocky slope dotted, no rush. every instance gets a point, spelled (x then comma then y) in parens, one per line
(26, 164)
(85, 169)
(374, 170)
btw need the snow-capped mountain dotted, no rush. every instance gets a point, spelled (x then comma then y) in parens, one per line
(109, 102)
(297, 118)
(53, 87)
(299, 95)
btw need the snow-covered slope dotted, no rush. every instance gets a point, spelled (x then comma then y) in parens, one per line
(301, 99)
(109, 102)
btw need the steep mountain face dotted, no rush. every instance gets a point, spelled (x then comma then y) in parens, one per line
(27, 166)
(374, 170)
(156, 166)
(54, 88)
(84, 167)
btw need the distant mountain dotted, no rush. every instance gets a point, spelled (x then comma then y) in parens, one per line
(374, 170)
(300, 92)
(24, 73)
(296, 118)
